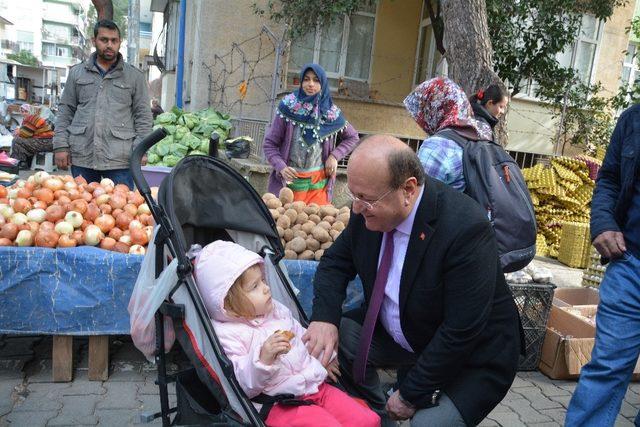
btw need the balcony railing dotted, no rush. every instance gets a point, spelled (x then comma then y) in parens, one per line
(52, 38)
(10, 45)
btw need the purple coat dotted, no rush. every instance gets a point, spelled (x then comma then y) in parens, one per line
(277, 146)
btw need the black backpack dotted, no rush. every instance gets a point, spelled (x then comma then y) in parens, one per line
(495, 181)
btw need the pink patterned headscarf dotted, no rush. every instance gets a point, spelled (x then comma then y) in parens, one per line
(440, 103)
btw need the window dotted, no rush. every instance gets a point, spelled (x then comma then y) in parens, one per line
(55, 50)
(630, 66)
(58, 33)
(429, 62)
(25, 40)
(580, 55)
(343, 49)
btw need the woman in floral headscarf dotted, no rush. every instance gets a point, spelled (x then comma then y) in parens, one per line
(307, 138)
(440, 104)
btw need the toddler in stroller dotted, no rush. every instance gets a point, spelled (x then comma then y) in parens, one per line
(263, 341)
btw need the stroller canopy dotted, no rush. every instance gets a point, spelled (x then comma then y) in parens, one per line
(203, 193)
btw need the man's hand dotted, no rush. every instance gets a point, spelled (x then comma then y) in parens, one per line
(610, 244)
(63, 159)
(321, 337)
(397, 410)
(333, 370)
(273, 347)
(143, 161)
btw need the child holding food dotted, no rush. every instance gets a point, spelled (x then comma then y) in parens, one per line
(262, 339)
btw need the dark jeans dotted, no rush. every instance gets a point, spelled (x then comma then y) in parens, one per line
(118, 176)
(384, 352)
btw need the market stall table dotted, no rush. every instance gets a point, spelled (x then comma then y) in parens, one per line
(85, 291)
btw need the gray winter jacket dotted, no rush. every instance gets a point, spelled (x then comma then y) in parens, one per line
(99, 119)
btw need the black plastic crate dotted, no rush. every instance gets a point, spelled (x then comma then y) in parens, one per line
(534, 302)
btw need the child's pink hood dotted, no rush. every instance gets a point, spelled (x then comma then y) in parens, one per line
(218, 266)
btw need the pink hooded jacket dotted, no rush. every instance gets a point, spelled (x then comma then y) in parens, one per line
(218, 266)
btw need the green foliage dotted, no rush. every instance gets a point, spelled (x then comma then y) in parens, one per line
(302, 15)
(24, 57)
(588, 116)
(528, 35)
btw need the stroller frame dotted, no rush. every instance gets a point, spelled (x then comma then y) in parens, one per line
(172, 240)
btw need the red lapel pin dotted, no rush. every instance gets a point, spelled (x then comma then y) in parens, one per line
(422, 236)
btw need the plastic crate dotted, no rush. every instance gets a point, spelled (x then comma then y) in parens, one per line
(534, 302)
(253, 128)
(155, 174)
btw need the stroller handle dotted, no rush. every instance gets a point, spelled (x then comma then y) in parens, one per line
(135, 165)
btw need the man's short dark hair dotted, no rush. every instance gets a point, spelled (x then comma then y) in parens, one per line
(105, 23)
(404, 164)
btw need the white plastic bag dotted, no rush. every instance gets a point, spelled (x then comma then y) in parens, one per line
(148, 294)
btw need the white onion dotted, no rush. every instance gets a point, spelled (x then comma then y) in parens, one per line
(13, 193)
(20, 183)
(92, 235)
(144, 209)
(40, 176)
(19, 219)
(70, 185)
(106, 182)
(37, 215)
(6, 211)
(74, 218)
(63, 227)
(137, 250)
(125, 239)
(24, 238)
(135, 224)
(102, 199)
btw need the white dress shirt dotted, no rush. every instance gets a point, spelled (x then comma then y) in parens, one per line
(390, 310)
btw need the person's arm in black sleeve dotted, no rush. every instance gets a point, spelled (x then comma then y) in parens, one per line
(469, 283)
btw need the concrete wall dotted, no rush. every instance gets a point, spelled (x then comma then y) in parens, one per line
(394, 49)
(530, 127)
(214, 26)
(610, 56)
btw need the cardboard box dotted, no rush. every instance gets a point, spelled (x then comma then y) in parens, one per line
(564, 297)
(568, 344)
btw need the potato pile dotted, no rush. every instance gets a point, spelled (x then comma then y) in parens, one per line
(306, 231)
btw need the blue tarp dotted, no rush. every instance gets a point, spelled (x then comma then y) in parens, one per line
(86, 290)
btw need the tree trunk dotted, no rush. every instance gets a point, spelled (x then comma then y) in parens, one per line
(104, 9)
(469, 51)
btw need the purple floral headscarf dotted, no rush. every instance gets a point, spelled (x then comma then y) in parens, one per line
(440, 103)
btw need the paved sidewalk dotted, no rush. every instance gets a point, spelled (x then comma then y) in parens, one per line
(29, 398)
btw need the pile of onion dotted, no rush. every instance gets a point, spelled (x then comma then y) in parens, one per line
(58, 211)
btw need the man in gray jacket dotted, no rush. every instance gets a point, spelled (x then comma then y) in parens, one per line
(104, 112)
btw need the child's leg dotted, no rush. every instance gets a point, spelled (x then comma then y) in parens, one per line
(300, 416)
(345, 409)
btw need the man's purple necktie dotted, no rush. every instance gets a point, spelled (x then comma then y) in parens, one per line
(377, 295)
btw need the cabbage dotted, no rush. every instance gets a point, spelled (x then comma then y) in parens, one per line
(190, 141)
(152, 158)
(189, 120)
(162, 148)
(170, 160)
(171, 129)
(166, 118)
(178, 150)
(204, 145)
(181, 131)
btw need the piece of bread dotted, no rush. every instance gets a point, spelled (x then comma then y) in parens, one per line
(287, 334)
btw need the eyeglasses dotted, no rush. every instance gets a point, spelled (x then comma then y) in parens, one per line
(366, 204)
